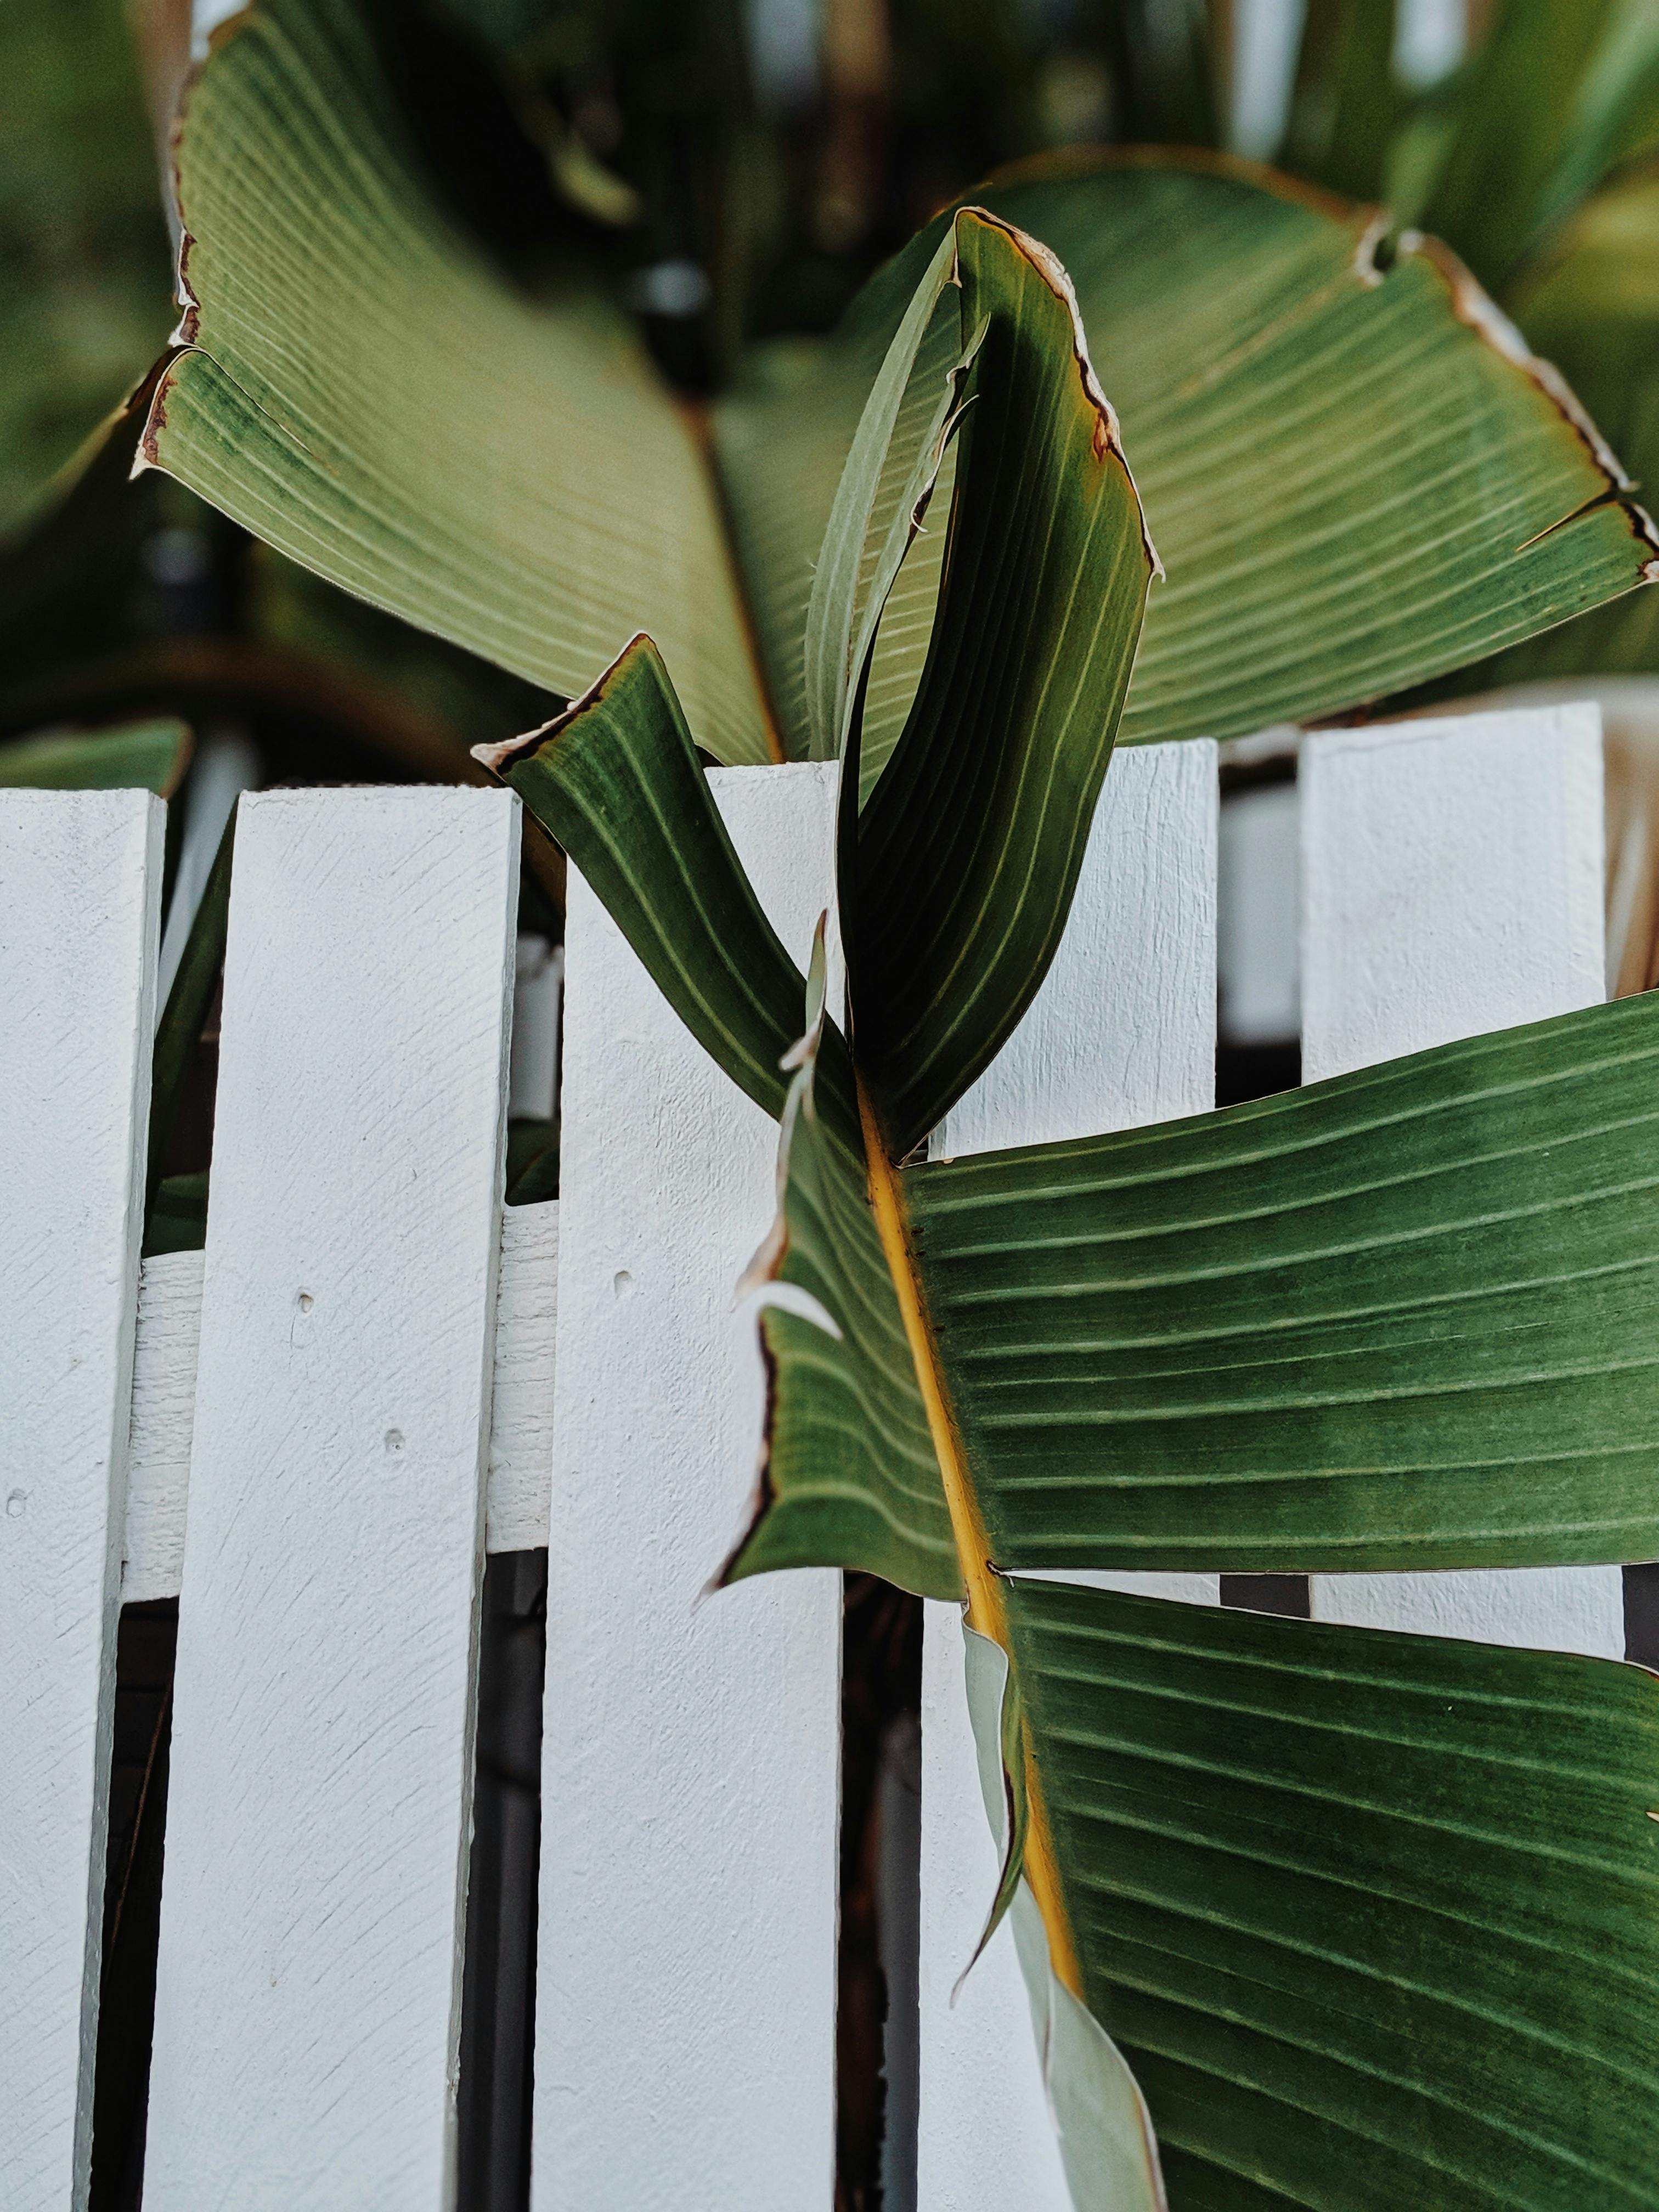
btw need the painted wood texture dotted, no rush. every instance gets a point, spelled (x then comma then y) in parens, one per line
(1452, 874)
(164, 1402)
(80, 892)
(1122, 1032)
(308, 2004)
(686, 1995)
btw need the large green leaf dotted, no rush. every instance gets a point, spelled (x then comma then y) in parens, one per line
(362, 388)
(1355, 476)
(1374, 1918)
(1400, 1319)
(145, 755)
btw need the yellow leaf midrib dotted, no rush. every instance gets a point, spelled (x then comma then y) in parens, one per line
(986, 1611)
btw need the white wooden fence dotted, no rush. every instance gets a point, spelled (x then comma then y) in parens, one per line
(313, 1431)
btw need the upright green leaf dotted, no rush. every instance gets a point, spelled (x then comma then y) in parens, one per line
(891, 470)
(967, 851)
(1356, 477)
(1374, 1918)
(145, 755)
(362, 388)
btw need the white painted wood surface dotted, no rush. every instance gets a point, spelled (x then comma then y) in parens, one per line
(307, 2006)
(686, 1996)
(164, 1402)
(1122, 1033)
(80, 896)
(1452, 874)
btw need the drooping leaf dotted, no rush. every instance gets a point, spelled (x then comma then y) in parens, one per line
(1374, 1918)
(143, 756)
(1554, 100)
(966, 852)
(616, 781)
(1355, 476)
(1396, 1319)
(364, 390)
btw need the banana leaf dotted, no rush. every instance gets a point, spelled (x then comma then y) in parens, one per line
(1357, 478)
(1374, 1920)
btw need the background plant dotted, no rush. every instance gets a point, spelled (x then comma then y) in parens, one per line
(538, 217)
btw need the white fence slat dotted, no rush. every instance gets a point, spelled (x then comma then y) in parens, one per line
(80, 896)
(1122, 1033)
(307, 2005)
(164, 1402)
(686, 1993)
(1452, 874)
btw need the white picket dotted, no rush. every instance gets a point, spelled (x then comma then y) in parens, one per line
(1122, 1033)
(1452, 873)
(307, 2004)
(685, 1994)
(79, 895)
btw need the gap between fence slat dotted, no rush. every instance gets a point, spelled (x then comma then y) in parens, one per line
(1453, 885)
(1122, 1033)
(80, 899)
(307, 2002)
(686, 1982)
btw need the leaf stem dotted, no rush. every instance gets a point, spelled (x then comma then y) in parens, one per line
(986, 1611)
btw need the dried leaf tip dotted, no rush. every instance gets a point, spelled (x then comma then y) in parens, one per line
(1475, 309)
(1108, 441)
(499, 757)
